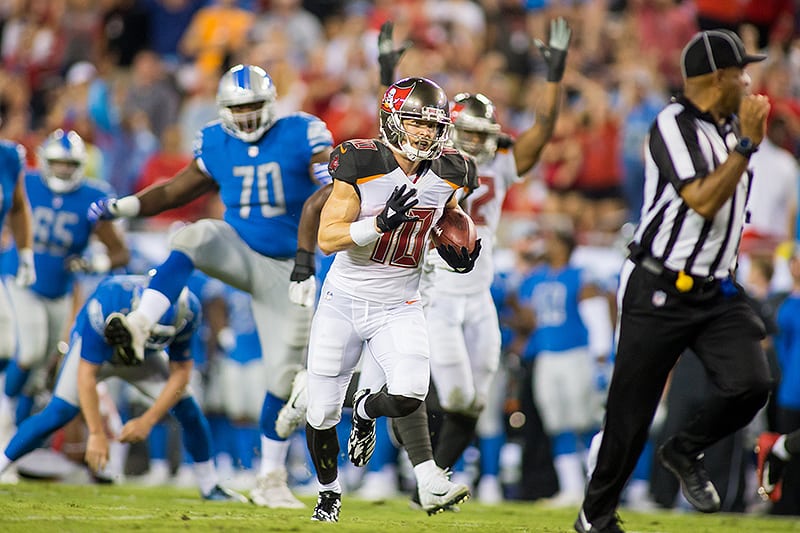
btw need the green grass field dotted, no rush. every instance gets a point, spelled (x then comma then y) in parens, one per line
(37, 507)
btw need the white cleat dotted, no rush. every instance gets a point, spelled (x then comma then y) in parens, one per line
(127, 335)
(438, 493)
(378, 486)
(293, 413)
(273, 491)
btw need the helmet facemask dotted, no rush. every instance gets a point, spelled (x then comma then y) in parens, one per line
(475, 129)
(246, 102)
(62, 158)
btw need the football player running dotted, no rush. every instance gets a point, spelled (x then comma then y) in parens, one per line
(461, 317)
(59, 196)
(161, 374)
(386, 196)
(264, 169)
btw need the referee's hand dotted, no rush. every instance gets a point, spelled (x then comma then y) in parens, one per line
(753, 113)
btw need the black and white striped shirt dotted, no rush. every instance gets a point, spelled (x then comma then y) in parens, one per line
(686, 144)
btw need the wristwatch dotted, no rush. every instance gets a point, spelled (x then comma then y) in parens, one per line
(746, 147)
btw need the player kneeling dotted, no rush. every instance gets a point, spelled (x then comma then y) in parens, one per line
(162, 375)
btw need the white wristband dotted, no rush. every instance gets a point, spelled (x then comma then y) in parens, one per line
(364, 231)
(125, 207)
(25, 255)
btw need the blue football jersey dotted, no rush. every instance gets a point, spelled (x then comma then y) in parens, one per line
(60, 230)
(119, 294)
(264, 184)
(241, 321)
(554, 296)
(12, 161)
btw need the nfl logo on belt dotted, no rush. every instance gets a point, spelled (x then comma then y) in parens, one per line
(659, 298)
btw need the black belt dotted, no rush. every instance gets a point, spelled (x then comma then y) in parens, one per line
(682, 281)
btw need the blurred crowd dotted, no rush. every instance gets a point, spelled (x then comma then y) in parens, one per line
(137, 80)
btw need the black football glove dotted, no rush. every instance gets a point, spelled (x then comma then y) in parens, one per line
(555, 55)
(388, 55)
(394, 212)
(304, 266)
(303, 284)
(463, 261)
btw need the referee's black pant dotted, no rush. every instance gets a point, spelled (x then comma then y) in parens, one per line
(657, 324)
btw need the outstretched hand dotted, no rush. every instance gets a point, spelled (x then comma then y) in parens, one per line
(555, 52)
(388, 55)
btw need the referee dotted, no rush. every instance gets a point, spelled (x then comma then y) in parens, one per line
(676, 288)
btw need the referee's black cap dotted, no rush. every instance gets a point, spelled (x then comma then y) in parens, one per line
(711, 50)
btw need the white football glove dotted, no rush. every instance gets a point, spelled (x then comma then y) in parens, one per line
(303, 293)
(26, 273)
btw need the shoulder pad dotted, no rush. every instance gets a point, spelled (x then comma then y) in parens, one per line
(504, 141)
(359, 158)
(454, 167)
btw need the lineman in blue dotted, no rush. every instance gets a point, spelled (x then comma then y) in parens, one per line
(14, 203)
(59, 197)
(264, 169)
(162, 375)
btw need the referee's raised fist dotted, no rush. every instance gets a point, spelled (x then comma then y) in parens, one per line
(753, 113)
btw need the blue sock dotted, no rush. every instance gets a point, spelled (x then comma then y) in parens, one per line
(15, 379)
(24, 408)
(173, 275)
(157, 441)
(220, 433)
(490, 454)
(247, 443)
(269, 415)
(34, 430)
(385, 452)
(586, 438)
(564, 443)
(194, 428)
(645, 462)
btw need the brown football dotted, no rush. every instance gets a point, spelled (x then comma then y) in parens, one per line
(455, 228)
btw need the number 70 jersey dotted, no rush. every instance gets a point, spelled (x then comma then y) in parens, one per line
(264, 184)
(388, 270)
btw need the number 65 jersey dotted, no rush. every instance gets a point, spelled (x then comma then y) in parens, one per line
(388, 270)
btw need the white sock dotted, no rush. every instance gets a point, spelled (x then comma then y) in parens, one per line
(5, 462)
(273, 455)
(425, 470)
(152, 306)
(159, 465)
(779, 449)
(569, 470)
(333, 486)
(7, 406)
(206, 476)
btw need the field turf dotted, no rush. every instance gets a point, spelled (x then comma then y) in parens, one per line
(38, 507)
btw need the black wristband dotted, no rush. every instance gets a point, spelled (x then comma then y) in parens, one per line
(304, 265)
(556, 65)
(387, 72)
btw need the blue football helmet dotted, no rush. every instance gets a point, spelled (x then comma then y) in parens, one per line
(62, 158)
(246, 102)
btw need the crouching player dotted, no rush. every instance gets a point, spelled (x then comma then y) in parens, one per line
(162, 375)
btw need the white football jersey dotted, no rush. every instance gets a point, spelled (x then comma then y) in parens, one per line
(484, 206)
(388, 270)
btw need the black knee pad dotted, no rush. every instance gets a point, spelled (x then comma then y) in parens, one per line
(403, 405)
